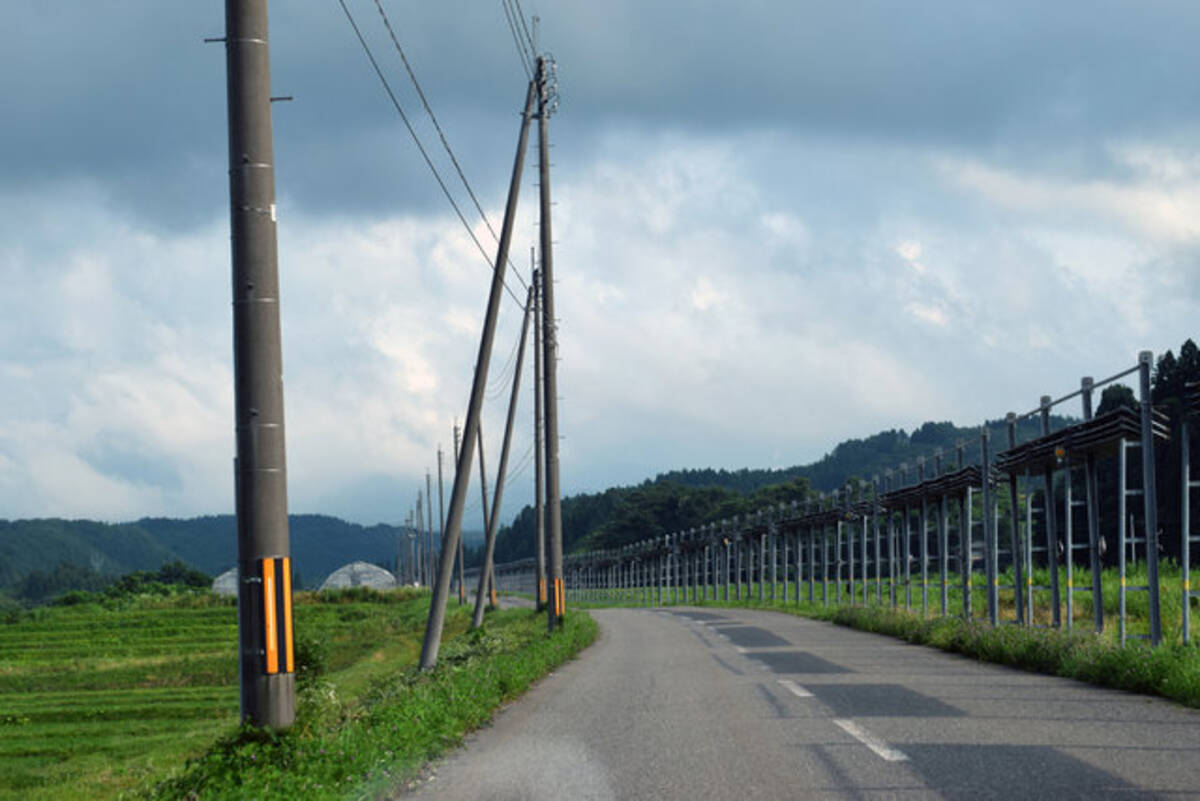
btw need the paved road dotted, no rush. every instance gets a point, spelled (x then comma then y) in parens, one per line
(739, 704)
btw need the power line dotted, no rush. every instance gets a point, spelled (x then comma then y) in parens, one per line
(522, 465)
(522, 52)
(521, 16)
(442, 134)
(424, 154)
(503, 379)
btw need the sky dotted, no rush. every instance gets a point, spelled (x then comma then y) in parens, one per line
(777, 225)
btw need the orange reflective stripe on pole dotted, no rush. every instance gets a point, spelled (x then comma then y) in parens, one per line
(289, 662)
(271, 636)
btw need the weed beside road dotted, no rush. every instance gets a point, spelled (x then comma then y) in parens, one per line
(368, 744)
(1171, 670)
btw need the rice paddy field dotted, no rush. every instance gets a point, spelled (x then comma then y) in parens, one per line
(100, 699)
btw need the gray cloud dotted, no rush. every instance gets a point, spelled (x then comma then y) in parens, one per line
(139, 103)
(779, 225)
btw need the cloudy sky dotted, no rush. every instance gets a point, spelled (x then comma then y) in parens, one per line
(779, 224)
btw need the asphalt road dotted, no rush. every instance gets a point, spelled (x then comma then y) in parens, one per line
(737, 704)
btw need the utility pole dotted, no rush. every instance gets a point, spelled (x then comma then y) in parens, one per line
(421, 537)
(558, 605)
(462, 589)
(401, 564)
(429, 528)
(493, 522)
(266, 658)
(485, 577)
(414, 576)
(458, 494)
(539, 457)
(441, 502)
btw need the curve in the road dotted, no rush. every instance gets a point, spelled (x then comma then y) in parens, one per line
(742, 704)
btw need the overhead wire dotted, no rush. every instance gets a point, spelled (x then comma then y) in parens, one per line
(502, 381)
(522, 53)
(521, 16)
(424, 153)
(442, 134)
(521, 466)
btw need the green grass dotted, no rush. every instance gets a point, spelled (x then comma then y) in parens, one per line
(99, 700)
(95, 699)
(367, 746)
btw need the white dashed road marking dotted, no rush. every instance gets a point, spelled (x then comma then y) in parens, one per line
(880, 748)
(795, 688)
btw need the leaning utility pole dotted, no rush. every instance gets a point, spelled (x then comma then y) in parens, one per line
(266, 657)
(485, 577)
(458, 495)
(441, 501)
(462, 590)
(539, 458)
(493, 522)
(558, 606)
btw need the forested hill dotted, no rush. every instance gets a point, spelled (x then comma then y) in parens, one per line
(93, 550)
(683, 499)
(863, 458)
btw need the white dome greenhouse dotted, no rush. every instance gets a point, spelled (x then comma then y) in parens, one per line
(360, 574)
(226, 583)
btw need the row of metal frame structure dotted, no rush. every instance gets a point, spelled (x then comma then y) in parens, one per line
(923, 536)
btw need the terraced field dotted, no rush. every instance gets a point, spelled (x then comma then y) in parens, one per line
(95, 701)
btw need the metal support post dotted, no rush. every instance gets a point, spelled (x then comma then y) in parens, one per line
(1092, 495)
(924, 540)
(989, 533)
(966, 547)
(1185, 519)
(1050, 517)
(1150, 495)
(875, 533)
(1014, 500)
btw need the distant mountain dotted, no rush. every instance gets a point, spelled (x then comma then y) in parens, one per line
(319, 544)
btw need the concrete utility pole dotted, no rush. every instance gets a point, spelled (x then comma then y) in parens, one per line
(429, 528)
(493, 522)
(421, 537)
(485, 576)
(266, 656)
(462, 588)
(539, 457)
(441, 502)
(557, 607)
(414, 578)
(400, 556)
(458, 494)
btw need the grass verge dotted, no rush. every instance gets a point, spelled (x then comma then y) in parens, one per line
(365, 747)
(1171, 671)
